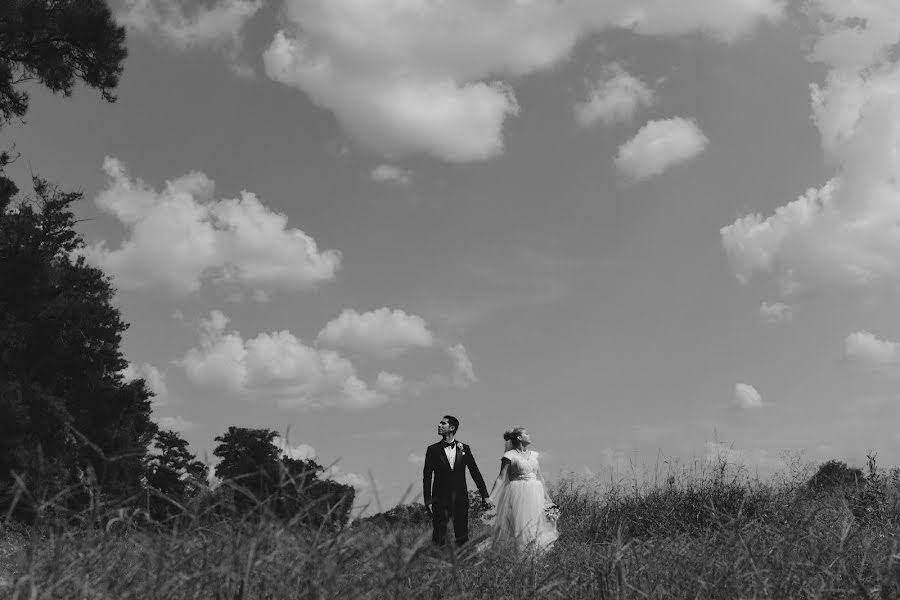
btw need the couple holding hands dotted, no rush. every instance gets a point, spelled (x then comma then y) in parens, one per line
(523, 516)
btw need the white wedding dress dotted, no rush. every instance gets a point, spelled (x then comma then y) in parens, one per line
(519, 502)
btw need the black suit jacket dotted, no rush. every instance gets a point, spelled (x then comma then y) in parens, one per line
(448, 478)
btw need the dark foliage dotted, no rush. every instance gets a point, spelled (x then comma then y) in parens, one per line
(174, 476)
(836, 476)
(257, 480)
(67, 418)
(57, 42)
(401, 515)
(476, 505)
(869, 501)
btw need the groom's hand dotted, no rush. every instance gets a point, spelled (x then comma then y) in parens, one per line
(428, 506)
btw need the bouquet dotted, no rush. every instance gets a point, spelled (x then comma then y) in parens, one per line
(552, 512)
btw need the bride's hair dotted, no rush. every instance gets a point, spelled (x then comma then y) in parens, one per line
(511, 438)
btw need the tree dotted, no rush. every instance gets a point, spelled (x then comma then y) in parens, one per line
(67, 414)
(249, 459)
(305, 496)
(174, 475)
(277, 485)
(57, 42)
(67, 418)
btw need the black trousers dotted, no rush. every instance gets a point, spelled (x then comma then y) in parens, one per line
(445, 508)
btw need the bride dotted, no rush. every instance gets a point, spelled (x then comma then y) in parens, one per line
(520, 497)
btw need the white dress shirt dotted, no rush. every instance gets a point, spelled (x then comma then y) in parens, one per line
(450, 451)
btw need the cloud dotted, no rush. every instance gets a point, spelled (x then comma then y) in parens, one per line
(465, 372)
(457, 122)
(389, 383)
(182, 236)
(746, 397)
(354, 480)
(298, 452)
(153, 377)
(428, 76)
(176, 423)
(219, 25)
(843, 233)
(277, 363)
(383, 332)
(776, 312)
(659, 145)
(616, 97)
(868, 351)
(385, 172)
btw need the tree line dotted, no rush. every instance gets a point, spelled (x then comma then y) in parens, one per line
(76, 437)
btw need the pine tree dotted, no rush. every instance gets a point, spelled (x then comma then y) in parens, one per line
(57, 42)
(174, 475)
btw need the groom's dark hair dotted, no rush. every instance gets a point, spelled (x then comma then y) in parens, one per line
(454, 423)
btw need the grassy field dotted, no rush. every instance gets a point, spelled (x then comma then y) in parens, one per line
(707, 533)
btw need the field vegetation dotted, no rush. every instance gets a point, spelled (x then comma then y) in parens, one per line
(710, 531)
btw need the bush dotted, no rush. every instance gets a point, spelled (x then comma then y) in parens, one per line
(836, 476)
(402, 515)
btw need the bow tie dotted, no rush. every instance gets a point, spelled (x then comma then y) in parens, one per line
(449, 444)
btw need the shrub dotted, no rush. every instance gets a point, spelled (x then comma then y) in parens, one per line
(836, 476)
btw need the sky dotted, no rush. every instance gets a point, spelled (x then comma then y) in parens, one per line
(650, 232)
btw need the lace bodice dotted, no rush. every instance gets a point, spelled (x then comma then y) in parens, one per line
(522, 465)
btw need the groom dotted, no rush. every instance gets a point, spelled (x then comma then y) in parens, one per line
(448, 498)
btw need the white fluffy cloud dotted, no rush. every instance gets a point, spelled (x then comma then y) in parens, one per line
(278, 363)
(775, 312)
(219, 24)
(615, 97)
(427, 75)
(298, 452)
(844, 233)
(746, 396)
(385, 172)
(465, 372)
(354, 480)
(153, 377)
(180, 236)
(868, 351)
(659, 145)
(454, 121)
(383, 332)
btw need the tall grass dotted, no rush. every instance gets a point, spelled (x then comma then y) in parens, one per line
(703, 533)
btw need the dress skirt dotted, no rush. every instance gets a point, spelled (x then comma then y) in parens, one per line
(520, 519)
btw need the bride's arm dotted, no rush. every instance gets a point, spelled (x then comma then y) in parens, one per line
(504, 466)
